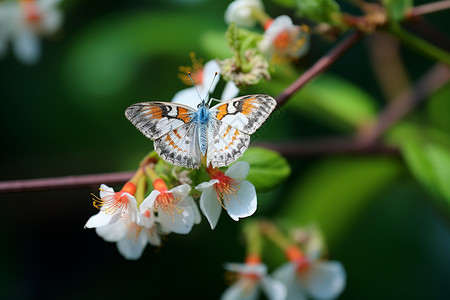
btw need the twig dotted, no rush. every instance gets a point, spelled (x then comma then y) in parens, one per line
(332, 145)
(67, 182)
(398, 108)
(428, 8)
(320, 66)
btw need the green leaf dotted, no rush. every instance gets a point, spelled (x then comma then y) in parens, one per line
(268, 169)
(327, 11)
(426, 151)
(286, 3)
(335, 101)
(438, 107)
(397, 9)
(335, 191)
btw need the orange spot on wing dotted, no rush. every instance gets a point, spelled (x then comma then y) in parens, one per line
(177, 134)
(154, 111)
(226, 132)
(183, 114)
(222, 111)
(247, 106)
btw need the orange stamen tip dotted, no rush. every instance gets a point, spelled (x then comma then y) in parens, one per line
(293, 253)
(267, 24)
(252, 259)
(160, 185)
(129, 188)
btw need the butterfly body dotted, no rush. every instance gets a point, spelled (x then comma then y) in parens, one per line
(184, 136)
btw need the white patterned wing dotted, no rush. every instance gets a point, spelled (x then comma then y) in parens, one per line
(225, 144)
(154, 119)
(245, 113)
(180, 146)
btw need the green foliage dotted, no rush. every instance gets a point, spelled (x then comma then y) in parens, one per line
(268, 169)
(327, 11)
(426, 151)
(287, 3)
(336, 191)
(438, 108)
(396, 9)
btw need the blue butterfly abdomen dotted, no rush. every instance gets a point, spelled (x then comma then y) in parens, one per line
(202, 121)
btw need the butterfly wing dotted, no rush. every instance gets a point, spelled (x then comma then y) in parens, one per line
(225, 144)
(231, 124)
(245, 113)
(180, 146)
(170, 126)
(155, 119)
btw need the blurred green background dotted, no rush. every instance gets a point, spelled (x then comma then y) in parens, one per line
(65, 116)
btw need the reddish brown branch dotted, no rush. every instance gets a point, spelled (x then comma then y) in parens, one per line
(428, 8)
(407, 101)
(67, 182)
(320, 66)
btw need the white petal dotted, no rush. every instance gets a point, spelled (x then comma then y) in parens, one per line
(153, 236)
(244, 203)
(209, 70)
(188, 97)
(286, 274)
(210, 205)
(274, 289)
(113, 232)
(105, 190)
(146, 219)
(180, 223)
(206, 185)
(51, 21)
(279, 24)
(241, 290)
(149, 202)
(257, 269)
(230, 91)
(26, 46)
(325, 280)
(181, 191)
(238, 170)
(132, 209)
(132, 246)
(102, 219)
(197, 215)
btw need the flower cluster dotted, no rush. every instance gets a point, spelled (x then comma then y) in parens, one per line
(22, 22)
(281, 42)
(305, 275)
(133, 220)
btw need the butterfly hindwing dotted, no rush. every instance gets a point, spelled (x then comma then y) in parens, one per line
(154, 119)
(245, 113)
(180, 146)
(225, 144)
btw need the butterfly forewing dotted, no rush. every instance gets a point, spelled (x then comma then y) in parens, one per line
(245, 113)
(154, 119)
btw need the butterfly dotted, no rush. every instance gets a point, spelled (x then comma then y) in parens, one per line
(184, 136)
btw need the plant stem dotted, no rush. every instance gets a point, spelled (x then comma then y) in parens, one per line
(420, 45)
(320, 66)
(66, 182)
(407, 101)
(253, 239)
(428, 8)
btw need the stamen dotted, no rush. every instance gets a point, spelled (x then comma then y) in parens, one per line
(110, 204)
(196, 70)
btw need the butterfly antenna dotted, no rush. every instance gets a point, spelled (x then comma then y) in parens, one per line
(209, 89)
(189, 73)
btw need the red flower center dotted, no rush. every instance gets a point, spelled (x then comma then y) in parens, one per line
(282, 40)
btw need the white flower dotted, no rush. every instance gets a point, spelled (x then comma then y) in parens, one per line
(130, 237)
(177, 211)
(310, 277)
(243, 12)
(252, 278)
(283, 40)
(114, 205)
(204, 80)
(230, 191)
(23, 21)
